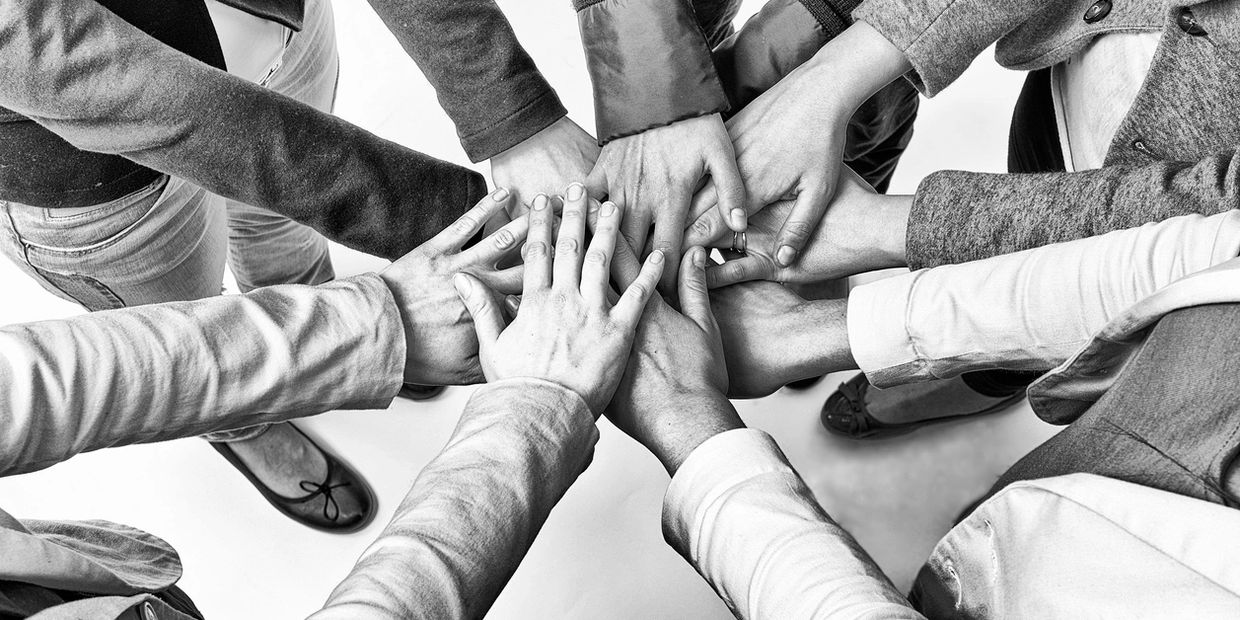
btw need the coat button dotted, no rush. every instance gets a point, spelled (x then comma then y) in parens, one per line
(1188, 23)
(1097, 11)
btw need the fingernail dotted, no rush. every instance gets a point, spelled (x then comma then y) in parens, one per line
(462, 284)
(699, 257)
(540, 202)
(499, 194)
(738, 219)
(575, 191)
(786, 255)
(608, 209)
(513, 303)
(656, 256)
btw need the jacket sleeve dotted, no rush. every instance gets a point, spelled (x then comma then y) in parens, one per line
(739, 512)
(485, 80)
(963, 216)
(475, 510)
(941, 38)
(649, 63)
(105, 86)
(166, 371)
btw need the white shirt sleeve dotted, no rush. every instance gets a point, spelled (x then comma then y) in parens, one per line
(1028, 310)
(739, 513)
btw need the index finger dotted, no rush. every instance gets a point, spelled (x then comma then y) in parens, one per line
(455, 236)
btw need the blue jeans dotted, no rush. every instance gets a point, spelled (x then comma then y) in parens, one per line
(169, 241)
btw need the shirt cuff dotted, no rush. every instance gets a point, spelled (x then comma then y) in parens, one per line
(372, 312)
(909, 27)
(715, 467)
(878, 332)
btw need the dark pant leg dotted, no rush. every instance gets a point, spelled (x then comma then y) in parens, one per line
(1172, 419)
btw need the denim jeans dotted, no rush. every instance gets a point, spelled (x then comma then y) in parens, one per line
(169, 241)
(1171, 421)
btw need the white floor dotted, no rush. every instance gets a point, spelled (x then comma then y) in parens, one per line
(601, 554)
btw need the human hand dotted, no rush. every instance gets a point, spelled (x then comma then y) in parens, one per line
(861, 231)
(566, 330)
(545, 162)
(671, 398)
(441, 348)
(654, 175)
(772, 337)
(789, 141)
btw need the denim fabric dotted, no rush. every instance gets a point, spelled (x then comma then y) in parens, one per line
(1171, 421)
(167, 242)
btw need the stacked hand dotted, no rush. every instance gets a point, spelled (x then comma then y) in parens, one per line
(441, 346)
(566, 330)
(655, 174)
(861, 231)
(545, 163)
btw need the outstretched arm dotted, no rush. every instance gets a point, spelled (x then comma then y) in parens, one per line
(474, 511)
(61, 66)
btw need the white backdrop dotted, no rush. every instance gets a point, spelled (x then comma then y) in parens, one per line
(601, 554)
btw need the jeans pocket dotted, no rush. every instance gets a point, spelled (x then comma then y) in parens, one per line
(85, 290)
(87, 229)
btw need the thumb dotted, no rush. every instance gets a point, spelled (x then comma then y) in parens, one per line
(694, 295)
(488, 321)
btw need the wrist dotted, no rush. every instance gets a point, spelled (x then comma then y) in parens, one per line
(850, 68)
(688, 420)
(890, 229)
(540, 141)
(824, 339)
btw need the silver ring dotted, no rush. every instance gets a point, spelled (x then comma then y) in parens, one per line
(739, 242)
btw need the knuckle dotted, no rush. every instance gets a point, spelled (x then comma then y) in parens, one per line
(704, 227)
(466, 224)
(566, 247)
(504, 239)
(535, 249)
(639, 289)
(596, 257)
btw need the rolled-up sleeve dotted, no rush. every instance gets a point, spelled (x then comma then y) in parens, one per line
(159, 372)
(475, 510)
(1029, 310)
(743, 517)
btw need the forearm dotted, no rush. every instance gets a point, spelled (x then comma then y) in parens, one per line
(963, 216)
(1028, 310)
(161, 372)
(105, 86)
(485, 80)
(742, 516)
(473, 512)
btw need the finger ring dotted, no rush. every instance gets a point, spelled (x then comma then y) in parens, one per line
(738, 242)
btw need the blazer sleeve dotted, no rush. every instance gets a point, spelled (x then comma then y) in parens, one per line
(474, 510)
(963, 216)
(166, 371)
(941, 38)
(105, 86)
(485, 80)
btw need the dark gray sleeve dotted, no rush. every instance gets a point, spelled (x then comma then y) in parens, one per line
(485, 80)
(963, 216)
(105, 86)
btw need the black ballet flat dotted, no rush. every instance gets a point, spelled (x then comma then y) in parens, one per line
(413, 391)
(845, 413)
(319, 508)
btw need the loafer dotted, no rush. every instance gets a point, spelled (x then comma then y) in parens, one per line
(845, 413)
(319, 508)
(413, 391)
